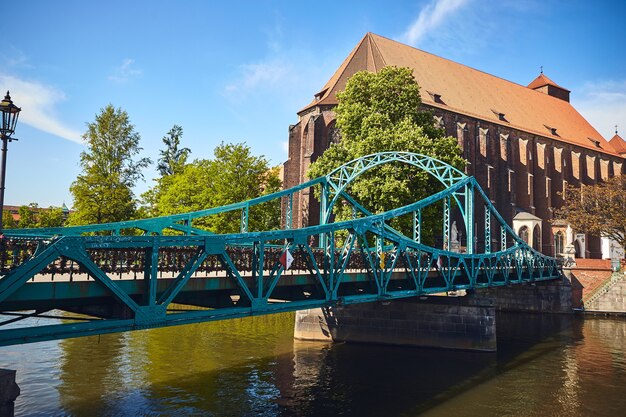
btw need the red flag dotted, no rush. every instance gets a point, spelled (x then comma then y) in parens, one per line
(286, 259)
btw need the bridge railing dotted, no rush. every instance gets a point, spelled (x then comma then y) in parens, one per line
(130, 282)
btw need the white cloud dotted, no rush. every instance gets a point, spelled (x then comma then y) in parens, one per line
(430, 17)
(125, 72)
(274, 36)
(261, 74)
(603, 104)
(14, 58)
(38, 102)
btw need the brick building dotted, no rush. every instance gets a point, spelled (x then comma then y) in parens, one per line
(523, 143)
(15, 211)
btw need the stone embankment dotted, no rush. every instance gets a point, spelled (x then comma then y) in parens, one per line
(596, 289)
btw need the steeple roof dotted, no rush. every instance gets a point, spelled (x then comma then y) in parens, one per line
(542, 80)
(457, 88)
(618, 144)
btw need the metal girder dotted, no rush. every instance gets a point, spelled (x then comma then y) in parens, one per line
(339, 179)
(487, 230)
(358, 260)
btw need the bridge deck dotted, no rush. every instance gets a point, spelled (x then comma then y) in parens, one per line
(176, 263)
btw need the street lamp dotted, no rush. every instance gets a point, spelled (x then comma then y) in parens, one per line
(10, 113)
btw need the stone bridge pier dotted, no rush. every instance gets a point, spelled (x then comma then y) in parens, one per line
(465, 322)
(9, 391)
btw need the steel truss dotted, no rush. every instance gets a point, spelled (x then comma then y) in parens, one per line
(123, 286)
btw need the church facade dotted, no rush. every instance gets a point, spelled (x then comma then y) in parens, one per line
(523, 144)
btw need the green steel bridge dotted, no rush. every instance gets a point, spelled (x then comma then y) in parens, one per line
(167, 271)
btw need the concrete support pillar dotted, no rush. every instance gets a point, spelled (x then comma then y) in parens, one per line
(9, 391)
(541, 297)
(440, 322)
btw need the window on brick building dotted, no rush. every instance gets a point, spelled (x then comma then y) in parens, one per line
(523, 233)
(537, 238)
(334, 136)
(559, 243)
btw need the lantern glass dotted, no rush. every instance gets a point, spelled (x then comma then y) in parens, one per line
(10, 113)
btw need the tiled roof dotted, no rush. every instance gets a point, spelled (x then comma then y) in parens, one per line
(542, 80)
(524, 215)
(365, 56)
(471, 92)
(618, 144)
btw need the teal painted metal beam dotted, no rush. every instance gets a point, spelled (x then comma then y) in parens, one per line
(358, 260)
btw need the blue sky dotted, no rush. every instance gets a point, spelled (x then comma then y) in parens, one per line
(239, 71)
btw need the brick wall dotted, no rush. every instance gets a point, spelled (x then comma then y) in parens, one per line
(518, 170)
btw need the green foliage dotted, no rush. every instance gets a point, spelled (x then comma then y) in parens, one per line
(379, 112)
(597, 209)
(103, 192)
(8, 222)
(27, 216)
(173, 159)
(234, 175)
(33, 216)
(50, 217)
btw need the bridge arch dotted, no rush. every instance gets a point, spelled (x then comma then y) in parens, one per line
(338, 179)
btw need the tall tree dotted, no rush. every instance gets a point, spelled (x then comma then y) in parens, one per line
(50, 217)
(172, 162)
(380, 112)
(103, 191)
(173, 158)
(27, 216)
(243, 176)
(598, 209)
(233, 175)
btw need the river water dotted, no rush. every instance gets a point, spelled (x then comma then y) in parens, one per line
(545, 366)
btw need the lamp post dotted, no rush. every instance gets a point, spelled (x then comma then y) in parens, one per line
(10, 113)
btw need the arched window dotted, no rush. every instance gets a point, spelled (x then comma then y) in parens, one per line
(334, 136)
(559, 241)
(537, 238)
(523, 233)
(578, 251)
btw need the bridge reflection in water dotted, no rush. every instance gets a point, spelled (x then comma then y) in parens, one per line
(118, 282)
(545, 365)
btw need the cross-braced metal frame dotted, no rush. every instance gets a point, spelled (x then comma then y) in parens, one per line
(119, 282)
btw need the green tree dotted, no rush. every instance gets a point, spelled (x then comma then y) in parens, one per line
(172, 162)
(190, 190)
(173, 158)
(103, 191)
(8, 221)
(380, 112)
(243, 176)
(27, 216)
(50, 217)
(597, 209)
(233, 175)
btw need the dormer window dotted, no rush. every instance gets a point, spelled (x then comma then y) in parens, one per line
(319, 95)
(552, 130)
(595, 142)
(436, 97)
(500, 115)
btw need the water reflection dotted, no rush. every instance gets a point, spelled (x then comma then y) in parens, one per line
(546, 365)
